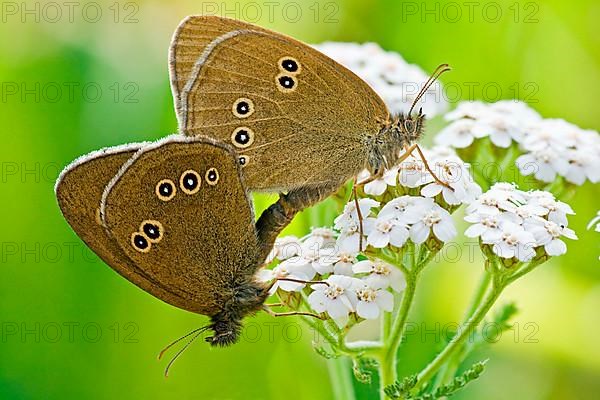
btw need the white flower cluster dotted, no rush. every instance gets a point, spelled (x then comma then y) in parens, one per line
(349, 284)
(403, 218)
(514, 223)
(503, 122)
(412, 173)
(556, 147)
(396, 81)
(551, 147)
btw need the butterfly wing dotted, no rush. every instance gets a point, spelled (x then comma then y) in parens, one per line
(179, 211)
(311, 116)
(79, 191)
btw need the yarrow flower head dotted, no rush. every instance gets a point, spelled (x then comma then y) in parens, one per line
(503, 122)
(514, 223)
(458, 186)
(554, 147)
(391, 77)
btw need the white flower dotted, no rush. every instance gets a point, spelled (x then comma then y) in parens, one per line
(459, 134)
(337, 297)
(494, 200)
(543, 163)
(350, 215)
(455, 173)
(388, 230)
(322, 236)
(412, 173)
(349, 225)
(284, 248)
(548, 233)
(301, 272)
(331, 259)
(468, 110)
(436, 219)
(516, 109)
(380, 274)
(378, 186)
(582, 163)
(350, 238)
(394, 80)
(516, 222)
(503, 122)
(502, 130)
(406, 209)
(515, 242)
(488, 226)
(556, 210)
(556, 147)
(317, 252)
(373, 300)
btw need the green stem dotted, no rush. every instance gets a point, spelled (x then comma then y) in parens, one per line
(387, 359)
(448, 370)
(484, 283)
(462, 335)
(341, 378)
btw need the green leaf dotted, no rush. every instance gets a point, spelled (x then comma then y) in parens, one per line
(457, 384)
(401, 389)
(361, 367)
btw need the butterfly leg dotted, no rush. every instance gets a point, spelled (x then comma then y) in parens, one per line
(428, 168)
(359, 215)
(289, 313)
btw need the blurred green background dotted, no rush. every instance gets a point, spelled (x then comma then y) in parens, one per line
(80, 76)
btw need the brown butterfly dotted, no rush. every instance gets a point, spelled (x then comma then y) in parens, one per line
(300, 122)
(173, 217)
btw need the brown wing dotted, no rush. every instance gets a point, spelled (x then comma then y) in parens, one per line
(312, 125)
(178, 209)
(79, 191)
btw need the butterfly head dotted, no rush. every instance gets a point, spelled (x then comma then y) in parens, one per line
(393, 137)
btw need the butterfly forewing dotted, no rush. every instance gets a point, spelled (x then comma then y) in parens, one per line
(300, 103)
(179, 210)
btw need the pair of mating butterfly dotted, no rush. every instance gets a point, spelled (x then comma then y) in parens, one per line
(257, 111)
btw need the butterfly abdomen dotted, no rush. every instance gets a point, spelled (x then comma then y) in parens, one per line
(241, 299)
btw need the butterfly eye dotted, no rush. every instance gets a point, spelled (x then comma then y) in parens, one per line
(243, 160)
(165, 190)
(242, 137)
(140, 243)
(243, 108)
(212, 176)
(289, 64)
(189, 182)
(286, 83)
(152, 230)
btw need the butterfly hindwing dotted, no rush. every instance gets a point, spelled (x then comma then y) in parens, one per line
(179, 210)
(296, 105)
(79, 191)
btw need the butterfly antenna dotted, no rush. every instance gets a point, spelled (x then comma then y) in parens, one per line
(197, 333)
(430, 81)
(180, 352)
